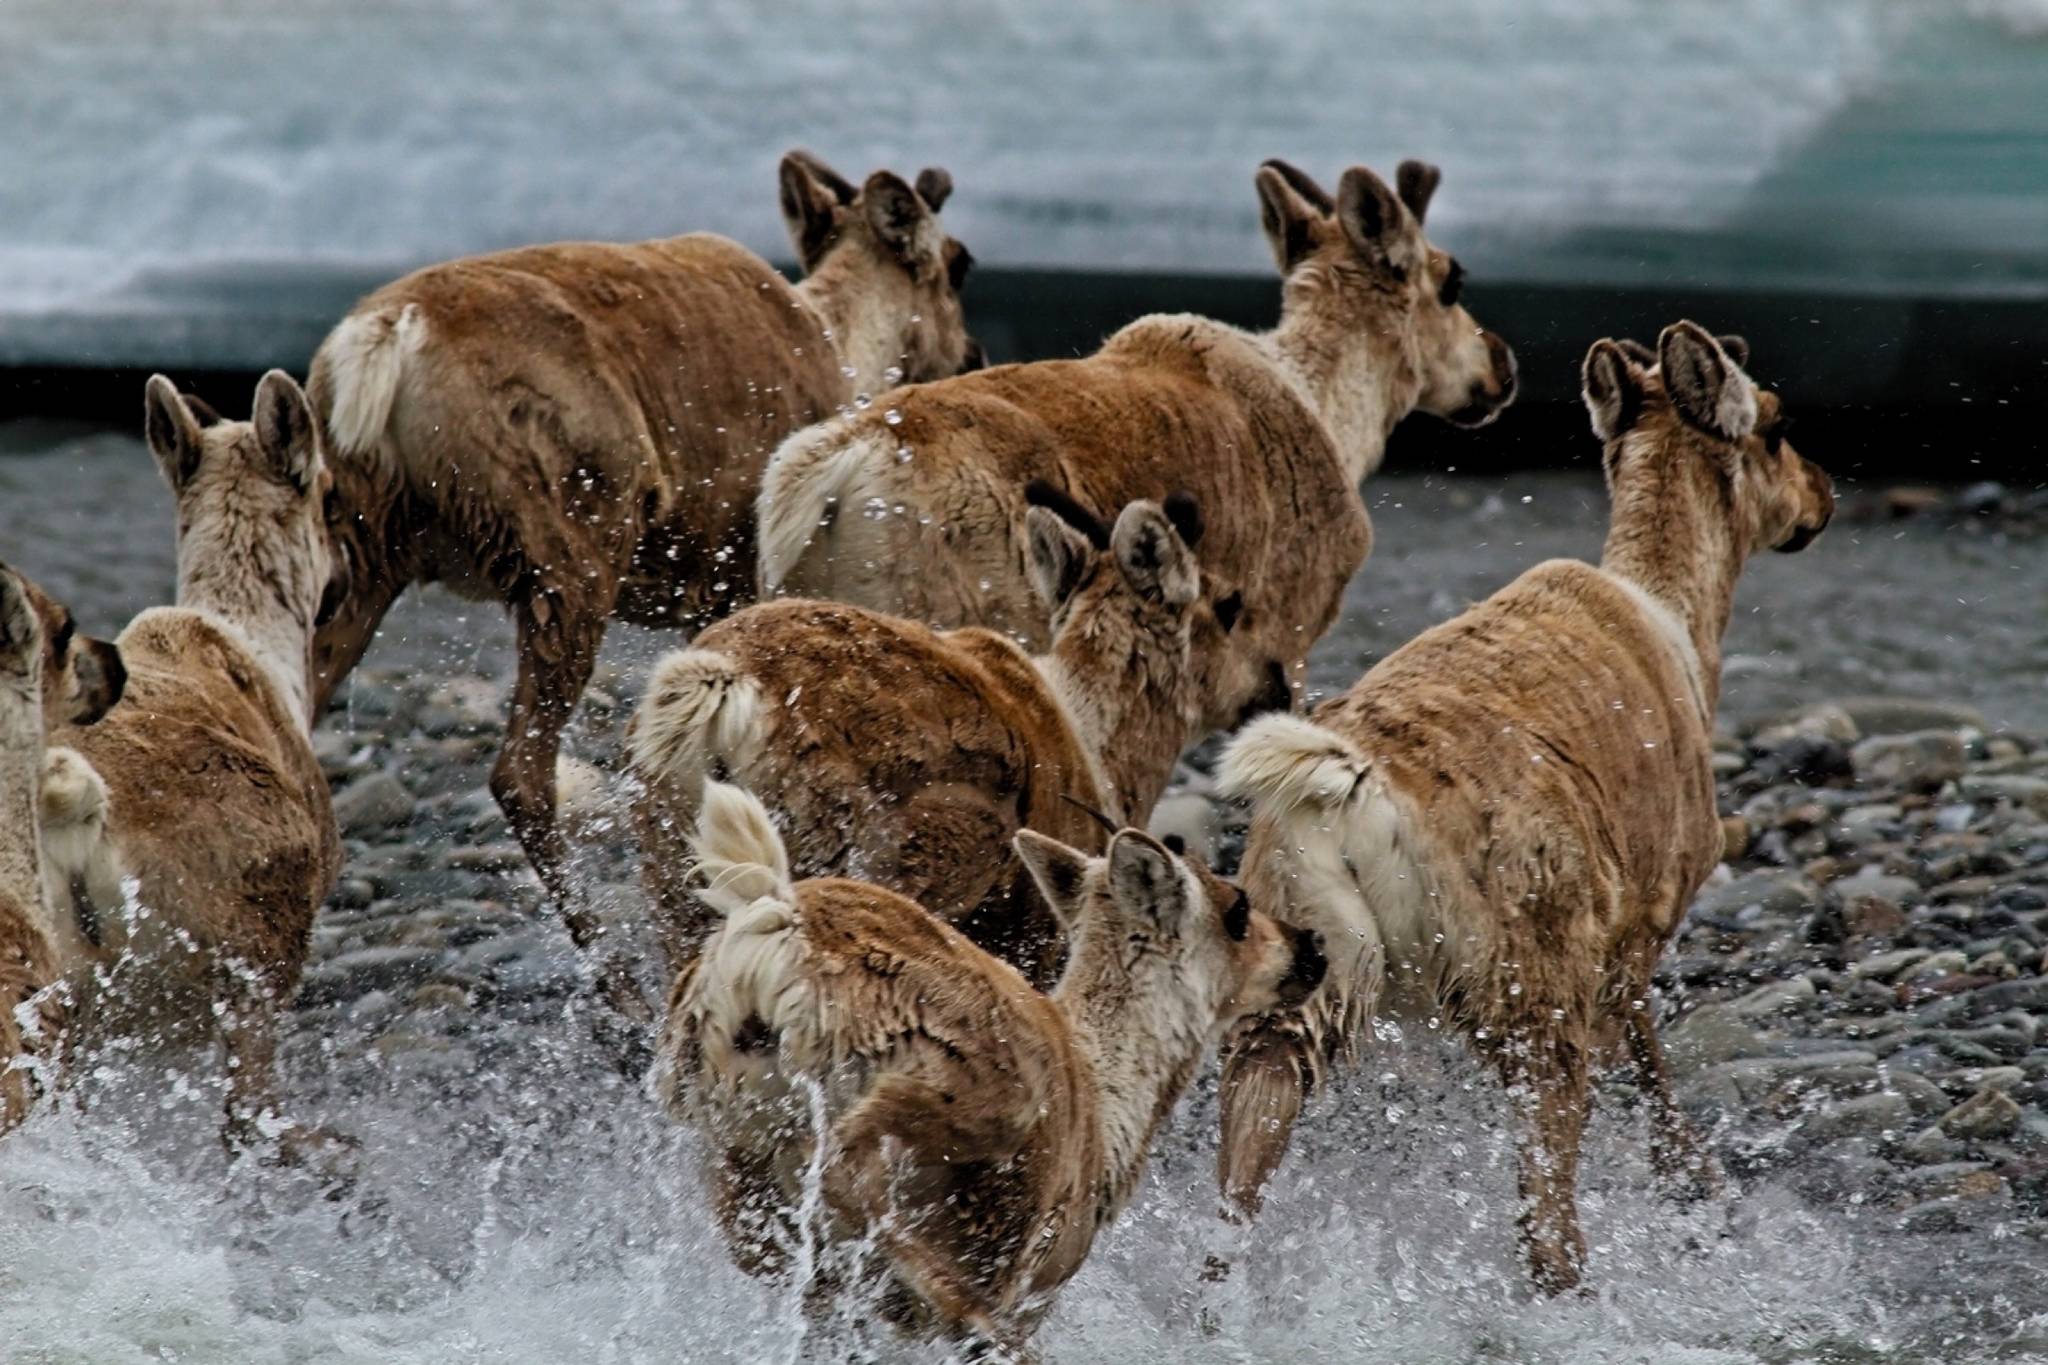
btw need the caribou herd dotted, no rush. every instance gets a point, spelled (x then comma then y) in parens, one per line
(950, 627)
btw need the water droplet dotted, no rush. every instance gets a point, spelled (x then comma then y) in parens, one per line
(874, 509)
(863, 402)
(893, 375)
(893, 417)
(1515, 989)
(848, 372)
(902, 454)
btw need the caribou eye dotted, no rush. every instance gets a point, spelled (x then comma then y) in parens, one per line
(1175, 844)
(330, 507)
(1228, 609)
(1237, 920)
(1453, 286)
(959, 261)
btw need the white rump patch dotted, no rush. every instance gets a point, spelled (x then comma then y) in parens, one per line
(810, 474)
(1287, 760)
(740, 857)
(699, 708)
(365, 359)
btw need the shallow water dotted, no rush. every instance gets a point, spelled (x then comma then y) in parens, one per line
(521, 1204)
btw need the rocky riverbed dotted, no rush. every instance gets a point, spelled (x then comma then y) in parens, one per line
(1854, 1010)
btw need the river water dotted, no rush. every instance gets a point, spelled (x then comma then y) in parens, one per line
(177, 170)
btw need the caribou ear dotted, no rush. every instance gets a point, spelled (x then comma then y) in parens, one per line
(1376, 222)
(1612, 389)
(284, 430)
(172, 431)
(1417, 182)
(1060, 872)
(935, 187)
(1291, 209)
(1059, 556)
(1737, 349)
(897, 215)
(1708, 390)
(1145, 880)
(1152, 555)
(813, 198)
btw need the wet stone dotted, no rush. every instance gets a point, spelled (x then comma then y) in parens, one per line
(353, 893)
(1926, 1099)
(1709, 1036)
(1876, 1115)
(2006, 1078)
(496, 857)
(1920, 761)
(2014, 789)
(1775, 893)
(372, 803)
(1781, 997)
(1905, 715)
(1822, 720)
(1958, 1212)
(1987, 1114)
(1886, 966)
(355, 973)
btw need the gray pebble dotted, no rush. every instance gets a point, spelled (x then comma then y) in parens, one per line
(1867, 1115)
(1986, 1114)
(1920, 761)
(367, 969)
(1779, 997)
(371, 803)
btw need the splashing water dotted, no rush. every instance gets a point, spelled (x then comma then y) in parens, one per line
(536, 1210)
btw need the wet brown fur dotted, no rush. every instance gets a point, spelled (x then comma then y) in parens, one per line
(1271, 433)
(897, 754)
(577, 431)
(904, 755)
(1511, 812)
(983, 1132)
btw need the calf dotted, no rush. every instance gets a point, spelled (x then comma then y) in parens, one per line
(200, 787)
(915, 507)
(980, 1132)
(577, 431)
(1503, 822)
(904, 756)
